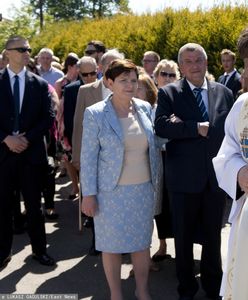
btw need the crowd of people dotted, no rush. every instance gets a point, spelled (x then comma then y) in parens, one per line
(137, 144)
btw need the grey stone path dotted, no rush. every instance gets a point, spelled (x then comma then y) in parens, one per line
(76, 272)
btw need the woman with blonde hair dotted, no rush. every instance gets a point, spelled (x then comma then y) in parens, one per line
(166, 72)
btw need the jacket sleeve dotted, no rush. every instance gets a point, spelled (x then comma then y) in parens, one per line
(163, 125)
(229, 160)
(89, 154)
(46, 116)
(77, 125)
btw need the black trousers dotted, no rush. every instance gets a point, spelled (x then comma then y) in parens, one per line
(19, 175)
(48, 188)
(190, 211)
(164, 219)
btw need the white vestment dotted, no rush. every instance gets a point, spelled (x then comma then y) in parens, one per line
(232, 156)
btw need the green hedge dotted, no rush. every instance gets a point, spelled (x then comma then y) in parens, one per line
(164, 32)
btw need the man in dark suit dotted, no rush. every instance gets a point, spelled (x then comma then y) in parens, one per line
(231, 77)
(70, 100)
(25, 116)
(191, 114)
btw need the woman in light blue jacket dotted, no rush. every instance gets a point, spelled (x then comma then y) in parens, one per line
(118, 177)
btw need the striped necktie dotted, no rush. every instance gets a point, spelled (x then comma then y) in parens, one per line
(16, 95)
(225, 79)
(199, 100)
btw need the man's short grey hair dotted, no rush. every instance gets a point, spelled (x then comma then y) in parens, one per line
(111, 53)
(46, 50)
(87, 60)
(191, 47)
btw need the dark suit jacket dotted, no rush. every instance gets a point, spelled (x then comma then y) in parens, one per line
(189, 156)
(233, 83)
(70, 100)
(36, 116)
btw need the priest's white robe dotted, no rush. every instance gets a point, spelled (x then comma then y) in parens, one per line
(229, 160)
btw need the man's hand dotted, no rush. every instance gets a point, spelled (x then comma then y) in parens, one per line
(243, 178)
(16, 143)
(203, 128)
(89, 206)
(175, 119)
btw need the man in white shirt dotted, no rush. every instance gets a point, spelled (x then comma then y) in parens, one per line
(25, 116)
(46, 70)
(231, 77)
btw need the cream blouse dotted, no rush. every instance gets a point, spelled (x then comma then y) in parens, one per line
(136, 167)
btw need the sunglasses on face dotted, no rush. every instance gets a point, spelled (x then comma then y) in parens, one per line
(90, 52)
(165, 74)
(87, 74)
(21, 49)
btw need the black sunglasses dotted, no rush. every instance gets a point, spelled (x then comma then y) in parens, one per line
(165, 74)
(21, 49)
(90, 52)
(87, 74)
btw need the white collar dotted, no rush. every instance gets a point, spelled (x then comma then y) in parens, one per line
(231, 73)
(204, 85)
(21, 74)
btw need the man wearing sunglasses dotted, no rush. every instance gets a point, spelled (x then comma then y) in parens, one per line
(96, 49)
(87, 74)
(25, 116)
(191, 114)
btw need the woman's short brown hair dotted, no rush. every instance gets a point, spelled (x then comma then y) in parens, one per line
(119, 66)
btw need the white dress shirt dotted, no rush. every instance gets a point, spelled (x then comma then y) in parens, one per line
(21, 76)
(204, 92)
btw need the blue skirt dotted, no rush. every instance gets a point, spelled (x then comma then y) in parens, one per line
(124, 222)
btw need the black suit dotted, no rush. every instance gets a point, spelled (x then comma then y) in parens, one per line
(70, 100)
(191, 180)
(233, 83)
(24, 171)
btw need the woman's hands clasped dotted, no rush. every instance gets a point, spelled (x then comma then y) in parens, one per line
(89, 206)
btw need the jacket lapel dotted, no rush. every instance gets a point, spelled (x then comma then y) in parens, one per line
(230, 81)
(189, 97)
(6, 88)
(97, 90)
(211, 101)
(112, 118)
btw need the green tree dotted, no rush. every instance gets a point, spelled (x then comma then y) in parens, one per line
(103, 8)
(77, 9)
(23, 25)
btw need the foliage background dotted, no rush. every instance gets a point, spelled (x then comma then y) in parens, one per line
(164, 32)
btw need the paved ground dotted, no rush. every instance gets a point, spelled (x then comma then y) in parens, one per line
(76, 272)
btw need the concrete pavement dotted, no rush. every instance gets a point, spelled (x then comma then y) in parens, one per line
(76, 272)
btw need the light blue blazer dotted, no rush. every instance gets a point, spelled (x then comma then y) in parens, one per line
(102, 150)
